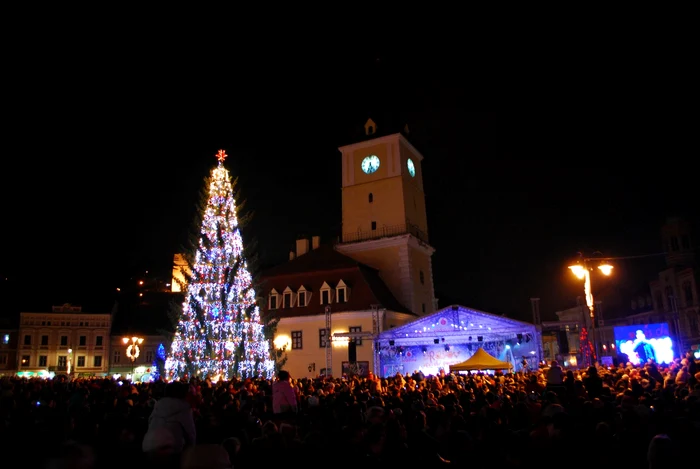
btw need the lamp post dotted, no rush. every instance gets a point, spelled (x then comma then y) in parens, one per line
(582, 270)
(70, 354)
(132, 351)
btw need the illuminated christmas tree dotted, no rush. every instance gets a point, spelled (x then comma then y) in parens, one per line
(219, 334)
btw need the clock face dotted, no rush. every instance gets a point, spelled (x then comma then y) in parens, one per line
(411, 167)
(370, 164)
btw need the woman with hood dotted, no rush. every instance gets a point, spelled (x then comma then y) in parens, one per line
(171, 424)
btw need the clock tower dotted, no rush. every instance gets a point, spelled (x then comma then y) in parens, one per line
(385, 224)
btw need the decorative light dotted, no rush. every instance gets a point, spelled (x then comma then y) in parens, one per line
(220, 333)
(578, 270)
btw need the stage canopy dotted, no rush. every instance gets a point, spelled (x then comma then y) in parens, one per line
(459, 324)
(450, 336)
(481, 361)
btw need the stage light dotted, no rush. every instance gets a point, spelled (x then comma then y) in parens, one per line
(436, 341)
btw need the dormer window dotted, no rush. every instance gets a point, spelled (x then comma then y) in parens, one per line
(326, 294)
(288, 298)
(303, 297)
(273, 300)
(341, 292)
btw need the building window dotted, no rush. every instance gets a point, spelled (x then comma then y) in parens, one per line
(341, 292)
(43, 360)
(98, 341)
(82, 341)
(357, 340)
(371, 197)
(688, 293)
(149, 356)
(273, 301)
(81, 361)
(421, 276)
(322, 337)
(64, 340)
(25, 360)
(374, 225)
(423, 307)
(297, 343)
(287, 303)
(44, 340)
(62, 361)
(117, 356)
(98, 361)
(27, 340)
(325, 297)
(3, 359)
(6, 339)
(301, 299)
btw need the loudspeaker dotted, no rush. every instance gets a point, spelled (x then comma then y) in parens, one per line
(563, 342)
(352, 351)
(436, 341)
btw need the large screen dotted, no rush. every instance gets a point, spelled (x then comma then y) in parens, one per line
(645, 342)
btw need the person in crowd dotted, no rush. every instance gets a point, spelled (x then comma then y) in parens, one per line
(284, 399)
(171, 425)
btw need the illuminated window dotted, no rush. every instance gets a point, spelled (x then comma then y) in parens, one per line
(297, 342)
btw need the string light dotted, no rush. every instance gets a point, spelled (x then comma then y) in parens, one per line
(220, 334)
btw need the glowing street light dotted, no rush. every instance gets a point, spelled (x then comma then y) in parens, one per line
(582, 271)
(132, 350)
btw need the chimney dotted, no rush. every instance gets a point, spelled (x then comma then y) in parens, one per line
(302, 246)
(315, 242)
(291, 255)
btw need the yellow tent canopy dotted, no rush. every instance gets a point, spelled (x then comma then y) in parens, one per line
(481, 361)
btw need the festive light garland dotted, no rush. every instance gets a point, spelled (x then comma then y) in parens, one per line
(220, 334)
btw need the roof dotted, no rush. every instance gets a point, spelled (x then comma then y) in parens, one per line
(459, 320)
(323, 258)
(386, 124)
(326, 265)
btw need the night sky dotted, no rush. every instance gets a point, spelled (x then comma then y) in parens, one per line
(103, 170)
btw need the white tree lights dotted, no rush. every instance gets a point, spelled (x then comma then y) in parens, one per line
(220, 333)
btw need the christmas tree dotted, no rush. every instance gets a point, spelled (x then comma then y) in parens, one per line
(219, 334)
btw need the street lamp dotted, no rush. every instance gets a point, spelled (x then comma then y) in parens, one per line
(70, 354)
(132, 351)
(582, 270)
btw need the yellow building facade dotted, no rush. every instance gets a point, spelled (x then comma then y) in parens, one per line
(385, 223)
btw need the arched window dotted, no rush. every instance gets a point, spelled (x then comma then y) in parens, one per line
(371, 197)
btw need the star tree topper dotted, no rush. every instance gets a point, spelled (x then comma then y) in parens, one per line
(221, 156)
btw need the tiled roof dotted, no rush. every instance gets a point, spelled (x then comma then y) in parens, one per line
(325, 264)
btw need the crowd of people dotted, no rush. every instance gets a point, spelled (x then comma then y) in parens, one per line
(602, 417)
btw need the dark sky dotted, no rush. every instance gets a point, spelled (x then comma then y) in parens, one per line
(104, 164)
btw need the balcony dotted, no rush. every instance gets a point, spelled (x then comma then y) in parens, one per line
(385, 232)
